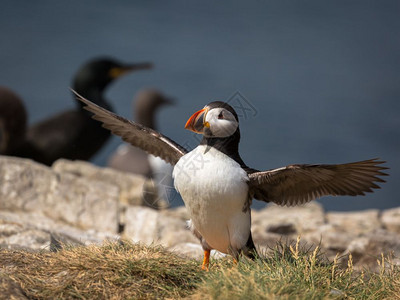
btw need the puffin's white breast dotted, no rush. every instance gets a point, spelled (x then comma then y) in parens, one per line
(214, 189)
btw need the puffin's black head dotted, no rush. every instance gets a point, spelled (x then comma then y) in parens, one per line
(98, 73)
(216, 120)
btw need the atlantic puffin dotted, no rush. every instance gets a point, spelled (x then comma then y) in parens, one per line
(217, 187)
(72, 134)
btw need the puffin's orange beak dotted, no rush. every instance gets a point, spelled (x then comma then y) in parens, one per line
(196, 122)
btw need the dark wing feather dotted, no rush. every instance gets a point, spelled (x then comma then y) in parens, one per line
(136, 134)
(298, 184)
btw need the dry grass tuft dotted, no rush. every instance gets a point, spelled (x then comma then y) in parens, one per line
(113, 271)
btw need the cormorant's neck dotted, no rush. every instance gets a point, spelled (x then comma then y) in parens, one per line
(92, 93)
(146, 117)
(229, 146)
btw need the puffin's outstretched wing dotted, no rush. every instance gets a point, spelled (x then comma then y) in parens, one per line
(298, 184)
(136, 134)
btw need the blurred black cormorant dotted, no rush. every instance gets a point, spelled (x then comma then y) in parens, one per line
(73, 134)
(12, 121)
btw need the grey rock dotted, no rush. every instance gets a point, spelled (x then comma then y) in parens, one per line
(149, 226)
(24, 238)
(391, 219)
(84, 203)
(24, 184)
(357, 223)
(368, 249)
(133, 189)
(330, 239)
(31, 187)
(35, 232)
(286, 220)
(173, 230)
(141, 225)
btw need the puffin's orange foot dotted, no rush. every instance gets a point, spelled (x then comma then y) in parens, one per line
(206, 260)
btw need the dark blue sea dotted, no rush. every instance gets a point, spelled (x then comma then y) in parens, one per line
(314, 81)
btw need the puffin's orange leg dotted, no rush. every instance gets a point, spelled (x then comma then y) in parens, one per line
(206, 260)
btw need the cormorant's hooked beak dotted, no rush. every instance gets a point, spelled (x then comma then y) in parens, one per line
(119, 71)
(196, 122)
(169, 101)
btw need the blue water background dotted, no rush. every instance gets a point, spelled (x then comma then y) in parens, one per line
(321, 78)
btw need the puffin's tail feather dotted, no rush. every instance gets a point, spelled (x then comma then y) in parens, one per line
(249, 249)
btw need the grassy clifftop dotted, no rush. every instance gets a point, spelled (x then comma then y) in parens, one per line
(132, 271)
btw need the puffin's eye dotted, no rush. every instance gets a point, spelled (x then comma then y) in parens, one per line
(220, 116)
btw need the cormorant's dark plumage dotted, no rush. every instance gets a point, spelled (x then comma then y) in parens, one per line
(12, 121)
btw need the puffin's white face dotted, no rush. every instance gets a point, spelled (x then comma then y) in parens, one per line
(215, 122)
(221, 123)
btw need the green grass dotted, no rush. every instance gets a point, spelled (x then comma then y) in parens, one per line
(132, 271)
(292, 273)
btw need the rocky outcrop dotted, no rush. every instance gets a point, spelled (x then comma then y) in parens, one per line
(364, 234)
(35, 231)
(132, 189)
(391, 220)
(78, 203)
